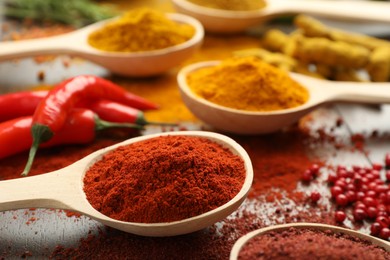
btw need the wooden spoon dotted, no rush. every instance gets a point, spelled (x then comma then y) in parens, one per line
(63, 189)
(135, 64)
(226, 21)
(252, 122)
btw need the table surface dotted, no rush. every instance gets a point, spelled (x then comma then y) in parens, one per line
(39, 231)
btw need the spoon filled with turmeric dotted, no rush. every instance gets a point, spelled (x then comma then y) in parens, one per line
(236, 16)
(129, 45)
(162, 184)
(248, 96)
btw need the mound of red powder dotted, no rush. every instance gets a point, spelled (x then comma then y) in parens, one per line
(296, 243)
(164, 179)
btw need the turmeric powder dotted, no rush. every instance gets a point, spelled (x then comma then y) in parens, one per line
(233, 5)
(140, 30)
(247, 83)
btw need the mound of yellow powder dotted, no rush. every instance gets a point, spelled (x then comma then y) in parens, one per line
(233, 5)
(247, 83)
(140, 30)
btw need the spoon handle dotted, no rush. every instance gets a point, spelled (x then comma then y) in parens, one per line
(27, 48)
(52, 190)
(361, 92)
(348, 9)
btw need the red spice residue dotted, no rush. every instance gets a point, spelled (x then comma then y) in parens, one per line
(70, 214)
(358, 141)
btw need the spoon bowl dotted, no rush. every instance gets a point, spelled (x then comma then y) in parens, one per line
(63, 189)
(253, 122)
(133, 64)
(322, 227)
(228, 21)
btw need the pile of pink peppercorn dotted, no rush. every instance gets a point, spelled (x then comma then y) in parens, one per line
(363, 190)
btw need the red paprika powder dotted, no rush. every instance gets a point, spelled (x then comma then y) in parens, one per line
(164, 179)
(306, 243)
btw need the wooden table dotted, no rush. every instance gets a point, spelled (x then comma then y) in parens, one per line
(39, 231)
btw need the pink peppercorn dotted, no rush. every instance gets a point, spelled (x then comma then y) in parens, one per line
(375, 229)
(307, 176)
(340, 216)
(359, 215)
(385, 233)
(315, 196)
(387, 160)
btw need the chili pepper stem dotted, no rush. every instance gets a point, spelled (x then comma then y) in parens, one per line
(102, 124)
(41, 133)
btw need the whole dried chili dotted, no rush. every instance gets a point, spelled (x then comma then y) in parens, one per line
(19, 104)
(79, 128)
(52, 112)
(164, 179)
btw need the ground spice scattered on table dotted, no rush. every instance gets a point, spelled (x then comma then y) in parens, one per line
(164, 179)
(295, 243)
(247, 83)
(140, 30)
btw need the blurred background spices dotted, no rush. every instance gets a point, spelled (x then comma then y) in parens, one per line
(236, 5)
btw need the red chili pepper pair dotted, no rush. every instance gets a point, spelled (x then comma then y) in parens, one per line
(80, 128)
(24, 104)
(56, 108)
(14, 105)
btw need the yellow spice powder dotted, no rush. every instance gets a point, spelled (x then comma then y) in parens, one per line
(233, 5)
(247, 83)
(140, 30)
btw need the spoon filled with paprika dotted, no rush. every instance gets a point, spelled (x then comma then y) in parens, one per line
(317, 241)
(225, 20)
(127, 63)
(155, 185)
(249, 122)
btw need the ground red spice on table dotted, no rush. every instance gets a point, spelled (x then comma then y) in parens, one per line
(215, 242)
(306, 243)
(164, 179)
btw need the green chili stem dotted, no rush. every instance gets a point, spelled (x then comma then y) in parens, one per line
(102, 124)
(40, 134)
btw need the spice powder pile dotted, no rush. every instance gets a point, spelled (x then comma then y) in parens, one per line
(164, 179)
(140, 30)
(247, 83)
(295, 243)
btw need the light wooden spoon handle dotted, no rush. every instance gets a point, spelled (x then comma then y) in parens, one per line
(360, 92)
(59, 189)
(28, 48)
(345, 10)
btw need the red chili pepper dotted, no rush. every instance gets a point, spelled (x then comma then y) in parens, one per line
(80, 127)
(52, 112)
(116, 112)
(18, 104)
